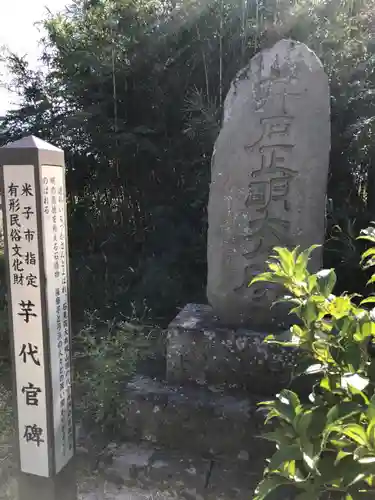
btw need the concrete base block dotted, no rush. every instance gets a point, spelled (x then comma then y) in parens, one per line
(199, 420)
(202, 350)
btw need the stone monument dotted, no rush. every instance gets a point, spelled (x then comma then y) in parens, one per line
(268, 188)
(268, 177)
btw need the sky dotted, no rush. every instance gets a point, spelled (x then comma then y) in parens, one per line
(17, 31)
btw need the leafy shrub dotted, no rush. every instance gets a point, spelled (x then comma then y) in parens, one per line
(325, 444)
(107, 355)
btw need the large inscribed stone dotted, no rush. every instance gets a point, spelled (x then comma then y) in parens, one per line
(268, 179)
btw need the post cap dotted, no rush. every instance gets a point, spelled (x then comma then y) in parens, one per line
(31, 142)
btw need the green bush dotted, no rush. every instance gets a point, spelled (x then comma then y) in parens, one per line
(106, 358)
(325, 444)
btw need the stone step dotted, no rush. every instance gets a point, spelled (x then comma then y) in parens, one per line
(203, 420)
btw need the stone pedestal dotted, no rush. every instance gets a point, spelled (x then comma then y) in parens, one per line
(202, 350)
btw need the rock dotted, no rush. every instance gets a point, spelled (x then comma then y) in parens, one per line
(159, 464)
(191, 494)
(127, 462)
(268, 179)
(191, 470)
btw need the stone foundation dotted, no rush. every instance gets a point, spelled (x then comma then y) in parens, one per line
(200, 420)
(203, 351)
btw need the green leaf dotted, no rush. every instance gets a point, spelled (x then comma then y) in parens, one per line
(282, 408)
(345, 325)
(268, 277)
(268, 485)
(286, 259)
(354, 495)
(370, 480)
(370, 431)
(284, 454)
(367, 328)
(353, 431)
(327, 467)
(309, 457)
(315, 368)
(307, 495)
(342, 411)
(368, 300)
(325, 384)
(312, 283)
(371, 371)
(352, 357)
(285, 339)
(360, 452)
(369, 263)
(289, 397)
(341, 443)
(297, 331)
(309, 312)
(351, 472)
(358, 396)
(354, 380)
(326, 280)
(274, 267)
(288, 469)
(368, 253)
(341, 455)
(367, 234)
(278, 436)
(367, 460)
(318, 422)
(302, 422)
(339, 307)
(371, 409)
(267, 403)
(303, 258)
(287, 299)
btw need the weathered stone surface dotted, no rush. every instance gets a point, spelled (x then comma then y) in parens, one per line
(128, 460)
(202, 351)
(268, 178)
(199, 420)
(233, 479)
(182, 476)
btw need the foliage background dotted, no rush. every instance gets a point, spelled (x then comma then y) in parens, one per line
(133, 92)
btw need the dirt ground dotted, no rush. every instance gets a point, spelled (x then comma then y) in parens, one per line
(140, 472)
